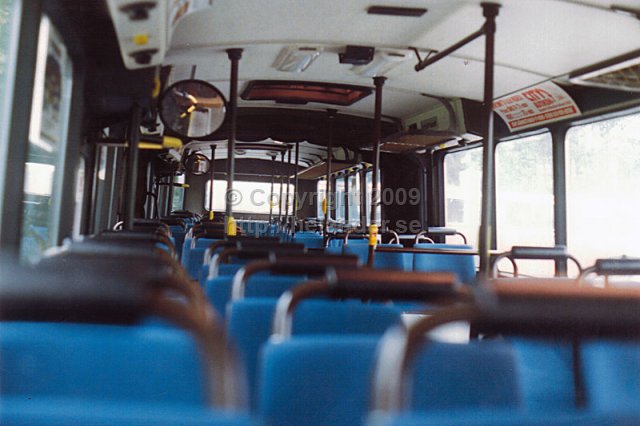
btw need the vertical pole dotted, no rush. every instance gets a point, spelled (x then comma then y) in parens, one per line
(295, 191)
(490, 11)
(234, 56)
(212, 175)
(331, 113)
(132, 168)
(172, 179)
(281, 185)
(375, 193)
(273, 172)
(286, 205)
(560, 195)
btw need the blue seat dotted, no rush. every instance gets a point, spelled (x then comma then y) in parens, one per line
(462, 265)
(141, 363)
(611, 371)
(395, 261)
(218, 290)
(54, 412)
(193, 261)
(316, 380)
(359, 248)
(504, 418)
(450, 376)
(546, 367)
(249, 324)
(320, 380)
(309, 239)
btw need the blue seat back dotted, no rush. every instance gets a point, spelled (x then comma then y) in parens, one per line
(218, 290)
(611, 373)
(249, 324)
(464, 376)
(395, 261)
(144, 363)
(462, 265)
(359, 248)
(54, 412)
(546, 368)
(316, 380)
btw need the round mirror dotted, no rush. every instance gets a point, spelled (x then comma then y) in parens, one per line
(197, 164)
(192, 108)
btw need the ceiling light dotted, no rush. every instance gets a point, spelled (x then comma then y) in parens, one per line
(383, 62)
(296, 58)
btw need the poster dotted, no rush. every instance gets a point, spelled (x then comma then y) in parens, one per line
(535, 106)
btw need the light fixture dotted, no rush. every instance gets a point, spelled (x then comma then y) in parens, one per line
(622, 73)
(382, 63)
(296, 58)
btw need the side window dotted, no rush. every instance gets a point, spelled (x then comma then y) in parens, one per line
(177, 202)
(79, 198)
(603, 189)
(9, 15)
(47, 138)
(524, 198)
(354, 199)
(463, 181)
(369, 187)
(339, 203)
(321, 190)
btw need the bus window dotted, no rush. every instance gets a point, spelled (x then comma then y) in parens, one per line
(8, 47)
(79, 198)
(321, 190)
(369, 186)
(339, 203)
(250, 197)
(524, 198)
(177, 202)
(603, 189)
(463, 180)
(354, 199)
(47, 136)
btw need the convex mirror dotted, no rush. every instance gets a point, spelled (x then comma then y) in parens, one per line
(192, 108)
(197, 164)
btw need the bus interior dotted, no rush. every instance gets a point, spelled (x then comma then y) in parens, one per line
(336, 212)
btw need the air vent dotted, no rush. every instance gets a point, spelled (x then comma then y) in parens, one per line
(622, 73)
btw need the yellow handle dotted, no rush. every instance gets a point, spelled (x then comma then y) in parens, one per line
(324, 206)
(210, 214)
(231, 226)
(373, 235)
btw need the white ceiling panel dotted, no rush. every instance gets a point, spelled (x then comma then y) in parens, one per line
(535, 40)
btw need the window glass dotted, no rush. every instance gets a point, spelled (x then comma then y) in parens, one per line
(354, 199)
(47, 137)
(8, 47)
(177, 201)
(250, 197)
(369, 183)
(524, 198)
(79, 198)
(463, 182)
(321, 190)
(603, 189)
(339, 206)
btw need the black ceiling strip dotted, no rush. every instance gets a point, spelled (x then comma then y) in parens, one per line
(414, 12)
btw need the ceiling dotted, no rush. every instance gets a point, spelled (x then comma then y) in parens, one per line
(536, 40)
